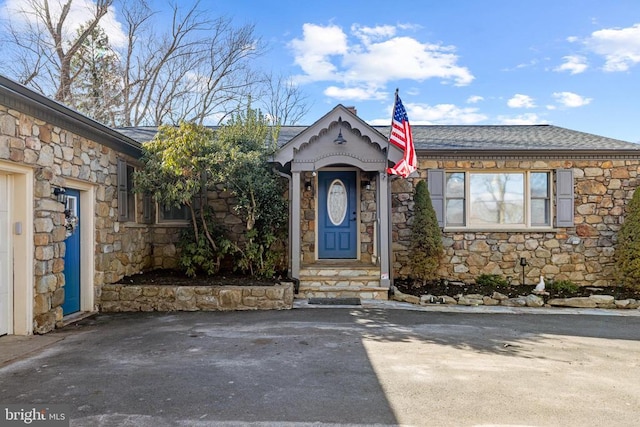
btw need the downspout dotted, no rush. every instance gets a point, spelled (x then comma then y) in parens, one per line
(296, 282)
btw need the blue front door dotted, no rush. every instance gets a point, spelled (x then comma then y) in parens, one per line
(72, 257)
(337, 217)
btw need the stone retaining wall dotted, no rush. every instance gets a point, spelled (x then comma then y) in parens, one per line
(119, 297)
(593, 301)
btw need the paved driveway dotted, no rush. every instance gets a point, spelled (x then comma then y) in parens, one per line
(338, 366)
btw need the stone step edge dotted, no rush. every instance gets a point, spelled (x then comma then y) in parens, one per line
(339, 277)
(325, 288)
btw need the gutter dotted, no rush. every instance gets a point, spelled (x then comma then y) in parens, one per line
(25, 100)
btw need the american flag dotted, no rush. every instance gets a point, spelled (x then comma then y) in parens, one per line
(402, 138)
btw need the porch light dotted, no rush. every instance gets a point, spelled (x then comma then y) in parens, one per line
(366, 185)
(61, 195)
(340, 139)
(307, 185)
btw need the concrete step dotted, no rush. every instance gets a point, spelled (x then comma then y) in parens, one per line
(341, 279)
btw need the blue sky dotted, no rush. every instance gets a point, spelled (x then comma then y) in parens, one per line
(572, 63)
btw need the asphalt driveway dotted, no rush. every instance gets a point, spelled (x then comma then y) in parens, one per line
(337, 366)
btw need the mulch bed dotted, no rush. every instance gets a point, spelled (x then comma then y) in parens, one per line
(178, 278)
(456, 288)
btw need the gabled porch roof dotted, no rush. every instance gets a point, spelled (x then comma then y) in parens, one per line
(313, 146)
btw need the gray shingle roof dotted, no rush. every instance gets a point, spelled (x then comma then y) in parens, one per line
(472, 138)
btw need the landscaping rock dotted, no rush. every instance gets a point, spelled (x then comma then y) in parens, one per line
(534, 301)
(578, 302)
(514, 302)
(499, 296)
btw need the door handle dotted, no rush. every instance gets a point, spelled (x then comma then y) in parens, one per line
(355, 217)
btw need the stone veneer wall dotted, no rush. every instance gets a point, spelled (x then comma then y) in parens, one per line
(583, 254)
(118, 297)
(57, 154)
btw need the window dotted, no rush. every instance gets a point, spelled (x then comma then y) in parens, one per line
(126, 196)
(172, 213)
(500, 200)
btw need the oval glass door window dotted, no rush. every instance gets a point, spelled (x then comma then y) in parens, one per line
(337, 202)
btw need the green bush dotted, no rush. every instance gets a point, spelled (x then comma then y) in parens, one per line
(426, 239)
(492, 280)
(566, 286)
(198, 255)
(628, 249)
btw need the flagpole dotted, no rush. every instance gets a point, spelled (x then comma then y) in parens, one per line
(389, 202)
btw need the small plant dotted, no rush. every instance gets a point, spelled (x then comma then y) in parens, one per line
(491, 280)
(566, 286)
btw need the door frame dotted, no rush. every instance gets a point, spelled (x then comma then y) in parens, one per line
(87, 240)
(317, 211)
(21, 193)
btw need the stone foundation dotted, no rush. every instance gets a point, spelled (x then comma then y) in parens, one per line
(119, 298)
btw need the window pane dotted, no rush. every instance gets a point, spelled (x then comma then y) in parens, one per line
(174, 213)
(455, 185)
(455, 212)
(539, 184)
(540, 212)
(497, 198)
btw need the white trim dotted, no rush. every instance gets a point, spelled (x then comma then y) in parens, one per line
(21, 193)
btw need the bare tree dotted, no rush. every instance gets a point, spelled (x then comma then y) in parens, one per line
(283, 101)
(44, 38)
(198, 69)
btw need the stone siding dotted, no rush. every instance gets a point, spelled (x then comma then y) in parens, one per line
(583, 253)
(117, 297)
(58, 155)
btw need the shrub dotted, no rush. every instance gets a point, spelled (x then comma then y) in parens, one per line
(628, 250)
(426, 239)
(566, 286)
(491, 280)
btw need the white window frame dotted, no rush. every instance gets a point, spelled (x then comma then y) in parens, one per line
(527, 220)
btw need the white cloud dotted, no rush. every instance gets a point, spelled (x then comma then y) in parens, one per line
(523, 119)
(474, 99)
(372, 57)
(441, 114)
(521, 101)
(575, 64)
(570, 99)
(314, 51)
(81, 12)
(619, 46)
(355, 93)
(369, 34)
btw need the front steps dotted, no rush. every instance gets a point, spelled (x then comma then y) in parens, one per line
(340, 279)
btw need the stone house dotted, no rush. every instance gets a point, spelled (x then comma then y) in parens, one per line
(541, 199)
(70, 222)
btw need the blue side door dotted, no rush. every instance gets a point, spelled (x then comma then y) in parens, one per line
(337, 217)
(72, 258)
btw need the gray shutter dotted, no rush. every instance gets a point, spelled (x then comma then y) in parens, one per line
(435, 184)
(147, 208)
(564, 198)
(123, 208)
